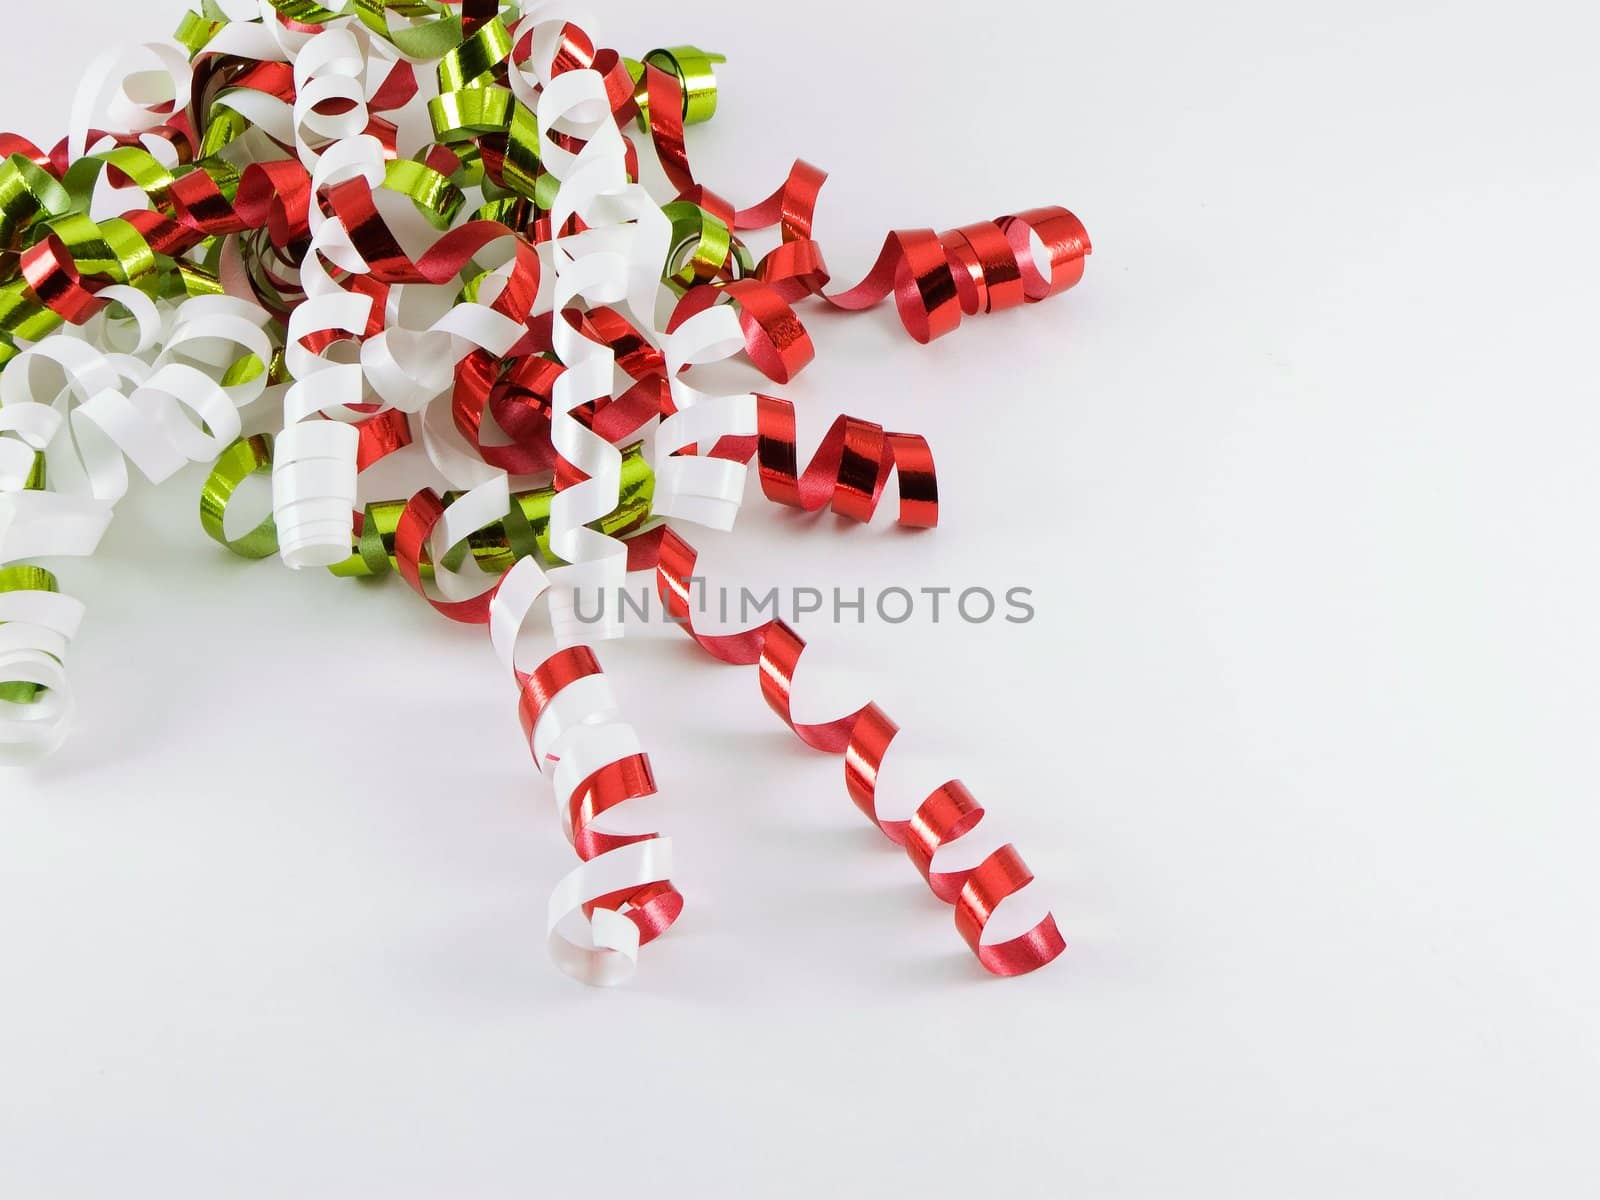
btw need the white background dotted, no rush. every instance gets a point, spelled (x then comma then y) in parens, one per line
(1302, 744)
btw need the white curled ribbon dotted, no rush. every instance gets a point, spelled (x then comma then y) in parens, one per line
(579, 733)
(617, 259)
(253, 32)
(337, 73)
(410, 368)
(123, 92)
(90, 413)
(314, 461)
(707, 491)
(399, 368)
(632, 238)
(37, 626)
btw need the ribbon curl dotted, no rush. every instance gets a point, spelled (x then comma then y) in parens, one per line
(620, 898)
(863, 738)
(509, 298)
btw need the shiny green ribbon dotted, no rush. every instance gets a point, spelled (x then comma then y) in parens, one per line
(244, 458)
(473, 99)
(524, 531)
(694, 70)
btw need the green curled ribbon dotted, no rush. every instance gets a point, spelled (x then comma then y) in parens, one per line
(27, 193)
(472, 99)
(694, 69)
(496, 548)
(436, 197)
(523, 533)
(244, 458)
(431, 27)
(702, 248)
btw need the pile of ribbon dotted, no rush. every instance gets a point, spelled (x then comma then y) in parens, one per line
(238, 256)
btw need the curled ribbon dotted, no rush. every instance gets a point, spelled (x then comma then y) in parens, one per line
(863, 738)
(508, 299)
(620, 898)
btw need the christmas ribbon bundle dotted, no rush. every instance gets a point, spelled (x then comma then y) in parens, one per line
(239, 255)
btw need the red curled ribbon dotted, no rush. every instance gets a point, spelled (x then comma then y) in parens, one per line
(935, 278)
(863, 738)
(849, 471)
(655, 906)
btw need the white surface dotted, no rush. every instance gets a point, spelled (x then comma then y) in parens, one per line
(1303, 741)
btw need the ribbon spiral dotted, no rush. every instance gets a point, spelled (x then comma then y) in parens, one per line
(508, 298)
